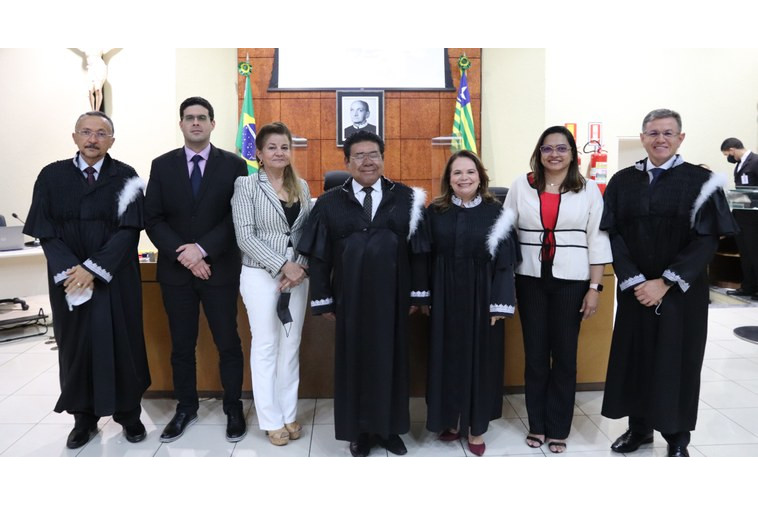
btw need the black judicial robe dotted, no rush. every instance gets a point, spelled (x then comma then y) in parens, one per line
(101, 347)
(361, 270)
(468, 285)
(669, 229)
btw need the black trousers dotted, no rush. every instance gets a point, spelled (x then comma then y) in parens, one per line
(125, 419)
(550, 318)
(641, 426)
(220, 306)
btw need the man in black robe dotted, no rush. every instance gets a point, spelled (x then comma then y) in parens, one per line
(664, 218)
(361, 241)
(87, 213)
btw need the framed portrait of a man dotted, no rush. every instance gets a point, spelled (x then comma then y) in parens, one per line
(359, 110)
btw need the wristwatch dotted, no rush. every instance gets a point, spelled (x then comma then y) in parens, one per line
(668, 282)
(596, 287)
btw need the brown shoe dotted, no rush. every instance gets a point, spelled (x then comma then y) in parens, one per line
(279, 437)
(294, 429)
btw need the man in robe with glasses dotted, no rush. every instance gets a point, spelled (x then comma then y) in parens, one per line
(664, 217)
(87, 214)
(362, 238)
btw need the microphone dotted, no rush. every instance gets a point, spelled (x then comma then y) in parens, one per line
(32, 243)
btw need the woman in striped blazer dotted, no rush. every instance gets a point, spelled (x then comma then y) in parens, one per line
(269, 209)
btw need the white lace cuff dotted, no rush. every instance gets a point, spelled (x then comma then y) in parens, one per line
(321, 303)
(98, 270)
(60, 277)
(420, 294)
(502, 309)
(673, 277)
(631, 281)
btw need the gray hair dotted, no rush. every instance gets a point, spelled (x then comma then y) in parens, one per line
(662, 114)
(96, 113)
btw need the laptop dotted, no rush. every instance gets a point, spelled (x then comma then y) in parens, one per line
(11, 238)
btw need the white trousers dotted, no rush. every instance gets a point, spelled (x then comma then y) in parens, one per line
(274, 350)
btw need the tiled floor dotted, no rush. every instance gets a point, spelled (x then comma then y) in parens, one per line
(727, 422)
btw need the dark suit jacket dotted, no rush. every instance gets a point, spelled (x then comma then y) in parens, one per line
(750, 168)
(350, 130)
(174, 217)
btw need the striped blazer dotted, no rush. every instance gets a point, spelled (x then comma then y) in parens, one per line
(260, 224)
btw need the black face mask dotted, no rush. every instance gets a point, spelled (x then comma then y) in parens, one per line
(732, 159)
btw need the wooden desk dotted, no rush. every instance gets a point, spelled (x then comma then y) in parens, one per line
(317, 348)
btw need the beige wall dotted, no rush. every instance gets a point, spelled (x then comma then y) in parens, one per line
(42, 92)
(524, 91)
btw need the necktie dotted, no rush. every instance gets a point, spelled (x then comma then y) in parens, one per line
(656, 172)
(196, 176)
(90, 175)
(368, 202)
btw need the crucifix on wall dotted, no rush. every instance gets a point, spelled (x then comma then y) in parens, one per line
(97, 73)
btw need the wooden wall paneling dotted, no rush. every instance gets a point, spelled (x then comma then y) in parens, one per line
(393, 160)
(266, 111)
(328, 118)
(302, 116)
(255, 52)
(332, 157)
(416, 156)
(391, 118)
(425, 184)
(419, 118)
(260, 77)
(469, 52)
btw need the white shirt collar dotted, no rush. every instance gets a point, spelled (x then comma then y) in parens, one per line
(83, 164)
(473, 203)
(377, 187)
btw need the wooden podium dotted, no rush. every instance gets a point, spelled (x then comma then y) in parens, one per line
(317, 348)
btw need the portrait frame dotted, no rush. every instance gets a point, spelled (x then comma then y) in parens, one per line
(345, 100)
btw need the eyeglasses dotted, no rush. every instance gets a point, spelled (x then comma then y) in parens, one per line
(560, 149)
(200, 119)
(668, 134)
(98, 135)
(361, 157)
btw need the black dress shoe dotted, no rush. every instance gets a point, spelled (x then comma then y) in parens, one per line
(176, 426)
(394, 444)
(739, 292)
(236, 429)
(135, 433)
(80, 435)
(631, 441)
(678, 451)
(361, 447)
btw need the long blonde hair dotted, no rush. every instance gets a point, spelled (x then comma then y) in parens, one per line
(290, 182)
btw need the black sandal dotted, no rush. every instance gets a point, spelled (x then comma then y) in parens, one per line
(534, 439)
(553, 444)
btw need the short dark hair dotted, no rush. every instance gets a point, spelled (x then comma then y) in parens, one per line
(662, 114)
(96, 113)
(362, 136)
(196, 100)
(574, 180)
(730, 143)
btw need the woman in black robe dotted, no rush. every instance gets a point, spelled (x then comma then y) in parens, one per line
(471, 290)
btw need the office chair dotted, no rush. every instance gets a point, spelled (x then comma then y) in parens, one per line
(2, 220)
(335, 178)
(499, 192)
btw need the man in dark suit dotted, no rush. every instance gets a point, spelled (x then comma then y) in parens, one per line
(189, 219)
(359, 114)
(745, 174)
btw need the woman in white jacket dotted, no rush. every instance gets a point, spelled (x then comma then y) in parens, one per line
(269, 209)
(558, 281)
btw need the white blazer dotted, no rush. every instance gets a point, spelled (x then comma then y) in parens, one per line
(260, 223)
(578, 238)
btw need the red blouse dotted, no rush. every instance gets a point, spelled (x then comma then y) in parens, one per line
(549, 213)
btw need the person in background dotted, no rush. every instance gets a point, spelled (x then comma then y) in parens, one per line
(472, 256)
(270, 208)
(745, 174)
(558, 283)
